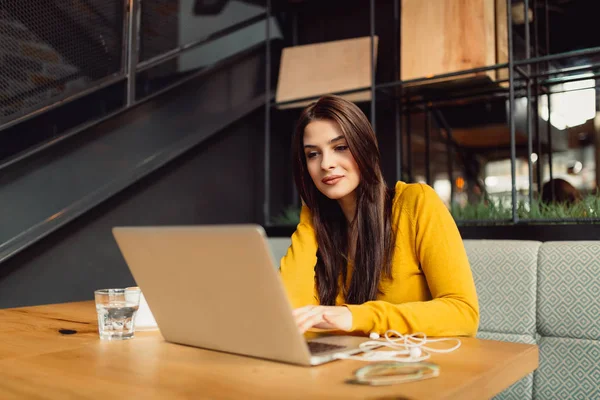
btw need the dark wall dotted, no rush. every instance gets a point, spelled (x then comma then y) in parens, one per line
(219, 182)
(331, 20)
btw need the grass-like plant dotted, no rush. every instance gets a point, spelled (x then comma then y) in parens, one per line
(495, 212)
(587, 208)
(289, 216)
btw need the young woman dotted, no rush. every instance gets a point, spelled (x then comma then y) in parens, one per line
(364, 257)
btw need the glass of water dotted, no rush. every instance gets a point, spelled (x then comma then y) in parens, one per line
(116, 310)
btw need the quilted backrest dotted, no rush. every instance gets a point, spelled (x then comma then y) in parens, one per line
(569, 290)
(568, 321)
(505, 274)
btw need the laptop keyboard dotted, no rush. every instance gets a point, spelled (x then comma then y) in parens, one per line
(320, 347)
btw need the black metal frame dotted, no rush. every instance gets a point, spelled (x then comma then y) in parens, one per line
(511, 111)
(532, 87)
(398, 101)
(267, 143)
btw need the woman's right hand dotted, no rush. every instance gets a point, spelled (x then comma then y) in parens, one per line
(323, 317)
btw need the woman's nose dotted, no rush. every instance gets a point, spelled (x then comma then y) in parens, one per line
(327, 161)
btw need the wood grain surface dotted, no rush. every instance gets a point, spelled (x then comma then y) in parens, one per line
(39, 362)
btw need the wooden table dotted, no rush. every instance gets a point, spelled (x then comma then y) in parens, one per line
(36, 361)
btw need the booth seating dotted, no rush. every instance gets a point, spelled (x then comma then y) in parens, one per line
(543, 293)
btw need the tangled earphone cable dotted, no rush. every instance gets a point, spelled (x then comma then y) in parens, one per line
(414, 349)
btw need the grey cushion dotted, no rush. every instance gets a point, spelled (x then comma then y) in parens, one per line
(569, 290)
(279, 247)
(505, 274)
(507, 337)
(523, 389)
(568, 369)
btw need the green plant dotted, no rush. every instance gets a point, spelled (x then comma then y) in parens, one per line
(481, 211)
(588, 207)
(289, 216)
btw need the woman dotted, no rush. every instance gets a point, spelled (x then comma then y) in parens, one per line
(564, 192)
(366, 258)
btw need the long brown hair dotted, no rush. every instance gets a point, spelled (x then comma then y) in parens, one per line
(372, 222)
(564, 192)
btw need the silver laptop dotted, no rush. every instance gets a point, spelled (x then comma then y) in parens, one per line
(216, 287)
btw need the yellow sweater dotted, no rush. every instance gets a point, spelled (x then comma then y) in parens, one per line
(431, 289)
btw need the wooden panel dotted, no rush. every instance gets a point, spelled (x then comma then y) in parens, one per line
(445, 36)
(489, 136)
(501, 39)
(322, 68)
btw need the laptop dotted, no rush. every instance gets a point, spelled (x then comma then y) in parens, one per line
(216, 287)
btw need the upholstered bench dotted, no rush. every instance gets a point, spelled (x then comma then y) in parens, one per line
(544, 293)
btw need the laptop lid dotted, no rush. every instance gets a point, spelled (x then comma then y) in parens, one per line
(214, 287)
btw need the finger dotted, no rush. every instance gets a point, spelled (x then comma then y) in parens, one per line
(310, 322)
(302, 310)
(301, 318)
(317, 319)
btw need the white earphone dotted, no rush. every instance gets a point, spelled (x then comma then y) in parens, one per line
(413, 345)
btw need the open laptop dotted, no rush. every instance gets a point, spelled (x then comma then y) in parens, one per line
(216, 287)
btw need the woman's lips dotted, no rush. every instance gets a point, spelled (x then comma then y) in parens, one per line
(331, 180)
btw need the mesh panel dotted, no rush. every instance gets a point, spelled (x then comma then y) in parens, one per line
(53, 48)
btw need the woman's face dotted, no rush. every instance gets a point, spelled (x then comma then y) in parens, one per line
(329, 160)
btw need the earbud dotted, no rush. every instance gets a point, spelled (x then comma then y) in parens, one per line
(415, 352)
(412, 347)
(341, 356)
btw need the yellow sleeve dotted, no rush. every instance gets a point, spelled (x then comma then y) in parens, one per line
(297, 268)
(454, 309)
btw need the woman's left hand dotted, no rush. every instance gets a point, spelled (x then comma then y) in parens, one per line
(323, 317)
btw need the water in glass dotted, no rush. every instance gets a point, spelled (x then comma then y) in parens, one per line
(116, 320)
(116, 309)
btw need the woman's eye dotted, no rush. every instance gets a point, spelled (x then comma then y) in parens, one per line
(312, 154)
(341, 148)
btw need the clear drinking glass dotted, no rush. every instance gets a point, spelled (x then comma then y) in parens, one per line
(116, 310)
